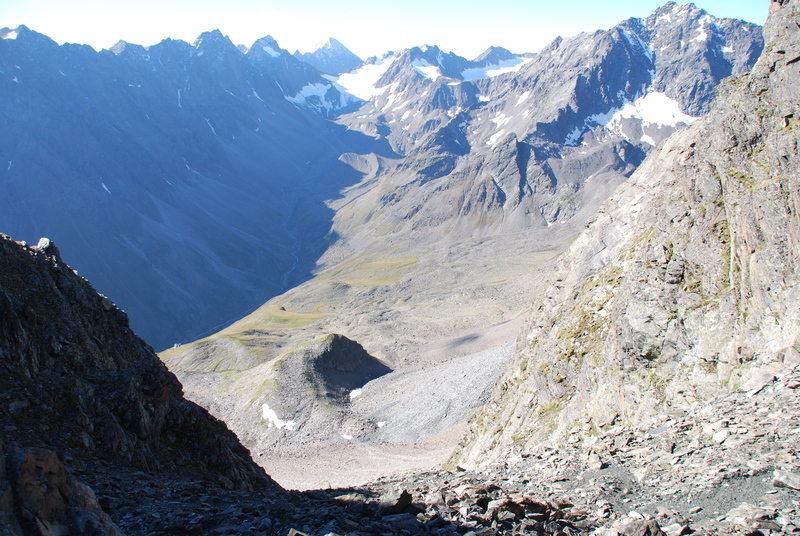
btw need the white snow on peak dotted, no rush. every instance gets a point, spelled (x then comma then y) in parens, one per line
(512, 65)
(310, 90)
(522, 98)
(381, 424)
(495, 137)
(273, 420)
(427, 70)
(727, 50)
(361, 82)
(11, 35)
(346, 437)
(654, 108)
(320, 91)
(271, 51)
(500, 119)
(355, 393)
(105, 187)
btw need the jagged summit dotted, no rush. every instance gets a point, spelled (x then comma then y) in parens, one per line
(494, 54)
(332, 58)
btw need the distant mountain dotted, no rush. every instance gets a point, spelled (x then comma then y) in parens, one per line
(331, 58)
(534, 140)
(184, 180)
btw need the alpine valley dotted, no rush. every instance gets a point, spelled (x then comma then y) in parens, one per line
(543, 293)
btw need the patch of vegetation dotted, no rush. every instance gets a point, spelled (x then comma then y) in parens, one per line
(367, 271)
(273, 317)
(742, 178)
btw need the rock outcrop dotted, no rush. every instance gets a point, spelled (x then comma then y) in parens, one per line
(75, 378)
(684, 287)
(39, 496)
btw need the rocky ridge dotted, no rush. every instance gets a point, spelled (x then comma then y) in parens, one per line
(77, 379)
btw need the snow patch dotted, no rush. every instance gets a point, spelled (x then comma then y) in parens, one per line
(573, 137)
(11, 35)
(105, 187)
(654, 108)
(500, 119)
(9, 165)
(647, 139)
(427, 70)
(361, 82)
(355, 393)
(483, 98)
(522, 98)
(179, 99)
(273, 420)
(346, 437)
(381, 424)
(271, 51)
(512, 65)
(256, 95)
(211, 127)
(496, 137)
(15, 80)
(727, 50)
(701, 37)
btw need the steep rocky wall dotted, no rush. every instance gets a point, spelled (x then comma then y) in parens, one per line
(74, 377)
(683, 286)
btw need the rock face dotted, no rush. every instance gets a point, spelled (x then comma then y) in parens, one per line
(76, 378)
(683, 287)
(39, 496)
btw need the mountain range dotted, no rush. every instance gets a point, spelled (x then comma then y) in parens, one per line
(569, 276)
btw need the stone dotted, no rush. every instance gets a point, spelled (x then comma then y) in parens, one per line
(786, 479)
(720, 436)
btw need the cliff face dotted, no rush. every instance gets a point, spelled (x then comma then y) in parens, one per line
(684, 286)
(76, 378)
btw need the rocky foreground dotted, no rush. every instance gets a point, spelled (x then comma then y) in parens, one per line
(728, 467)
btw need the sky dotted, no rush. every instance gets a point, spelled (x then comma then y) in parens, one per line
(466, 27)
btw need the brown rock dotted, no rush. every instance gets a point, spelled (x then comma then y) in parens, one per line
(49, 499)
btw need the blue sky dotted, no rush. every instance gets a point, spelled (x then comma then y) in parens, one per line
(466, 27)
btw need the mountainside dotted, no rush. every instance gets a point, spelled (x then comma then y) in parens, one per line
(180, 172)
(76, 378)
(683, 288)
(332, 58)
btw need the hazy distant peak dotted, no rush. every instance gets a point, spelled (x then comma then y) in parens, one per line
(332, 58)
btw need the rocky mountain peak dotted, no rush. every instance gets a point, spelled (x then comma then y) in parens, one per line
(332, 58)
(215, 43)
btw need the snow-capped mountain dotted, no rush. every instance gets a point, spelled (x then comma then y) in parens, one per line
(535, 140)
(331, 58)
